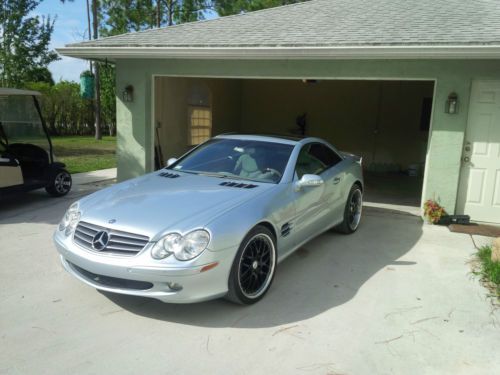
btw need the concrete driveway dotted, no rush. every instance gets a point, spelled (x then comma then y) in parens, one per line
(397, 297)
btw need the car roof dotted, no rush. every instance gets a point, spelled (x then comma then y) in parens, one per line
(4, 91)
(283, 139)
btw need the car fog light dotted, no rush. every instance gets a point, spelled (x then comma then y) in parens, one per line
(174, 286)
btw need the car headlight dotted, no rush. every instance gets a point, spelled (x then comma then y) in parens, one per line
(183, 247)
(70, 219)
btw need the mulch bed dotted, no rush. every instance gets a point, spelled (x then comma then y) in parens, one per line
(476, 229)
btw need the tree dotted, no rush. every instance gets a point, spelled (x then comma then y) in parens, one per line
(24, 42)
(108, 99)
(228, 7)
(40, 75)
(123, 16)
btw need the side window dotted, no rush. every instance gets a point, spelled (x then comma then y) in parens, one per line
(325, 154)
(315, 158)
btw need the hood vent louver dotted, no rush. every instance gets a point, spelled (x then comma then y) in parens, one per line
(169, 175)
(238, 185)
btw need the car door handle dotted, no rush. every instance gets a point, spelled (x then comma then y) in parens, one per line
(336, 180)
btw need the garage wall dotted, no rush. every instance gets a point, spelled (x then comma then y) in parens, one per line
(377, 120)
(171, 109)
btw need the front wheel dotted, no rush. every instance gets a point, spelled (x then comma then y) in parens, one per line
(59, 183)
(352, 211)
(253, 268)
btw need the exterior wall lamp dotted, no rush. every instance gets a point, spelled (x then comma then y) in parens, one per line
(128, 94)
(452, 104)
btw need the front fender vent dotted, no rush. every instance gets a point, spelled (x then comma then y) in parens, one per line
(286, 229)
(169, 175)
(238, 185)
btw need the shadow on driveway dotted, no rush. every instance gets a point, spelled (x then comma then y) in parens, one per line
(326, 273)
(39, 207)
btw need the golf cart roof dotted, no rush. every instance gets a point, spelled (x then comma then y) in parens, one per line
(8, 92)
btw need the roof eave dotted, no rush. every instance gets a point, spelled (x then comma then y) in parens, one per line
(277, 53)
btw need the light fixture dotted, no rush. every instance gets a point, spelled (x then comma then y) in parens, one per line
(128, 93)
(452, 104)
(310, 81)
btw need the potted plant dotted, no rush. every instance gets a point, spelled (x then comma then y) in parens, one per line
(433, 211)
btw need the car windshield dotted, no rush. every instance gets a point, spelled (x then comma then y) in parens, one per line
(235, 158)
(20, 122)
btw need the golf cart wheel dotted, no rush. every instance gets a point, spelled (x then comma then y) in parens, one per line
(59, 183)
(253, 268)
(352, 211)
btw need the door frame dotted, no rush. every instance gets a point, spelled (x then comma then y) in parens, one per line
(462, 184)
(347, 78)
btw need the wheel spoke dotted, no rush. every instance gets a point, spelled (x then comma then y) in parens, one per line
(256, 266)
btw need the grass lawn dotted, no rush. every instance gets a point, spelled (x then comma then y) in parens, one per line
(84, 154)
(489, 271)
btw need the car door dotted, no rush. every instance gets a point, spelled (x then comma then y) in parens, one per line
(334, 178)
(314, 205)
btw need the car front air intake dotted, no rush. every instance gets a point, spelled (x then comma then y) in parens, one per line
(169, 175)
(238, 185)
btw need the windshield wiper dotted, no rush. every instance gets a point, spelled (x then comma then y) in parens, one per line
(224, 175)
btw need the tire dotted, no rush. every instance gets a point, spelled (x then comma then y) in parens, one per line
(60, 182)
(253, 268)
(353, 210)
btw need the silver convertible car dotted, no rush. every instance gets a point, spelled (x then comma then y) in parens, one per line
(215, 222)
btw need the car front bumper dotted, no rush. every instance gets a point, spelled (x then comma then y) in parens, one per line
(141, 275)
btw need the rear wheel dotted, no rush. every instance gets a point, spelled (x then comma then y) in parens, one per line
(253, 268)
(59, 183)
(352, 211)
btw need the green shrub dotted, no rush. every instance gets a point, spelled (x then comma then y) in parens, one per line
(489, 270)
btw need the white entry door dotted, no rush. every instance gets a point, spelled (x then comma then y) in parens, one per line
(479, 191)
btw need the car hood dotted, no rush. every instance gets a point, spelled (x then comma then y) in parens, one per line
(152, 204)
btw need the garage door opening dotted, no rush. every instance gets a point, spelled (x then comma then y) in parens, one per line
(385, 122)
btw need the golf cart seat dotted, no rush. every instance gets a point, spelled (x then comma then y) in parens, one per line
(34, 160)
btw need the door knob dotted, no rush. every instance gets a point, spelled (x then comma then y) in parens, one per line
(466, 159)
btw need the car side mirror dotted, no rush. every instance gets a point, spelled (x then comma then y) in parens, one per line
(309, 180)
(171, 161)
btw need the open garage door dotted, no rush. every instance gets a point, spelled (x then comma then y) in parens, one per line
(385, 122)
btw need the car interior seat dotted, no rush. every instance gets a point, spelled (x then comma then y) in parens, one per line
(248, 164)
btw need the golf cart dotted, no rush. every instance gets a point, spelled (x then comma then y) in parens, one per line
(26, 157)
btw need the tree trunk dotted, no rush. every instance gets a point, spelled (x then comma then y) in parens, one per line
(158, 13)
(170, 12)
(98, 130)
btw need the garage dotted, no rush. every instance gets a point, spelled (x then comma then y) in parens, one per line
(415, 96)
(386, 122)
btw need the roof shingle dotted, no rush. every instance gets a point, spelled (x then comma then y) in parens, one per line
(332, 23)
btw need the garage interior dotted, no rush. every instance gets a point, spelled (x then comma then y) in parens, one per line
(385, 122)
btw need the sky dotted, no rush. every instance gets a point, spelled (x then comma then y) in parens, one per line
(70, 27)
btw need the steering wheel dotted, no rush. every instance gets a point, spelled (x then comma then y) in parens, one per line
(274, 171)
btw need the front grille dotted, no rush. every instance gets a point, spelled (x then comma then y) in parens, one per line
(120, 243)
(113, 282)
